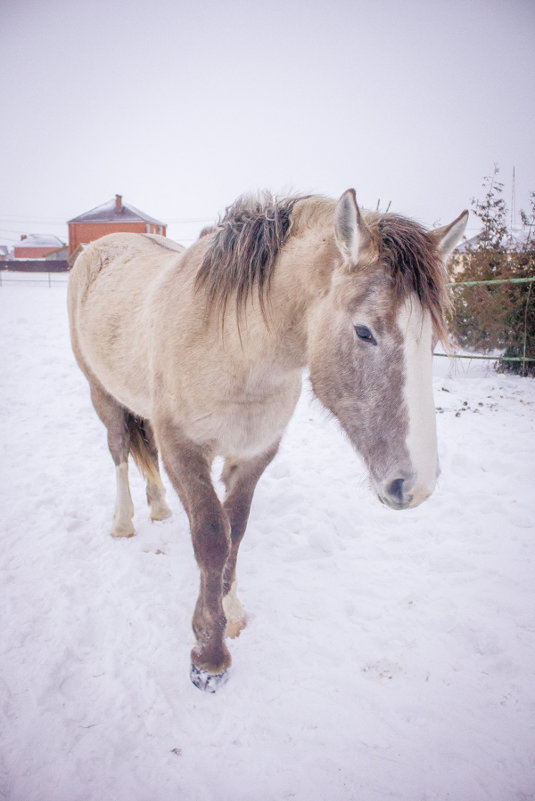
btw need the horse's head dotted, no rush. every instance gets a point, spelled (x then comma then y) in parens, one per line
(371, 343)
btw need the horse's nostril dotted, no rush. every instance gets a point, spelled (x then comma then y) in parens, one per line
(395, 489)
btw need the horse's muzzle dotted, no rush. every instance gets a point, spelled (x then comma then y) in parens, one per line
(404, 492)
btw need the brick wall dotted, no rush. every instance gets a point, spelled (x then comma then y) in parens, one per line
(33, 253)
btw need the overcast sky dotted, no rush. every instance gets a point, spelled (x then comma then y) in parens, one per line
(180, 107)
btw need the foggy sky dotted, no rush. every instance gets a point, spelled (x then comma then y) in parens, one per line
(180, 107)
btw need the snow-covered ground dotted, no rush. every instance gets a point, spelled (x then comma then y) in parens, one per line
(389, 655)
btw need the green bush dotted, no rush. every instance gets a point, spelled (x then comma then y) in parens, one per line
(497, 316)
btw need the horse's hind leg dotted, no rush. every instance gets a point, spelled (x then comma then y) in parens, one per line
(115, 418)
(240, 480)
(145, 453)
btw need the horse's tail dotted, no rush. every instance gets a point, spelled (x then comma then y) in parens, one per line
(142, 447)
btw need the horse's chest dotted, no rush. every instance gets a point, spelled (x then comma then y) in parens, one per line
(252, 426)
(247, 423)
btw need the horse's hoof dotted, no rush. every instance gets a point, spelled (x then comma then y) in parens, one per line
(118, 533)
(160, 512)
(209, 682)
(235, 626)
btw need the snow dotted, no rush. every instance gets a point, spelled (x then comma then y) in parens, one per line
(388, 655)
(40, 240)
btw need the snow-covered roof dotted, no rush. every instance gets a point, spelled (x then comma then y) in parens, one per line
(111, 211)
(514, 242)
(468, 244)
(40, 241)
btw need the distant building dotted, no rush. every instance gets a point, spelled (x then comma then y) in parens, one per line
(62, 254)
(110, 218)
(4, 253)
(37, 246)
(517, 242)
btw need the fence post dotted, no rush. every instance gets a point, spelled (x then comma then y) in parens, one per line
(526, 331)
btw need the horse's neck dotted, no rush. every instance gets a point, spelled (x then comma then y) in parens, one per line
(278, 340)
(302, 277)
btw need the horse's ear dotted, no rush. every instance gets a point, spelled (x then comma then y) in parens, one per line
(447, 238)
(351, 233)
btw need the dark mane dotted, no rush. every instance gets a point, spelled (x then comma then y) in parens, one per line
(244, 249)
(410, 255)
(239, 261)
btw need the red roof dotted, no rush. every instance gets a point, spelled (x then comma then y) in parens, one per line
(115, 211)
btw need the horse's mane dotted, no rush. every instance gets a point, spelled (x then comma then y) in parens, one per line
(409, 255)
(244, 249)
(240, 259)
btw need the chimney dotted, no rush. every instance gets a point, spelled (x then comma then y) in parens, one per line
(23, 236)
(118, 203)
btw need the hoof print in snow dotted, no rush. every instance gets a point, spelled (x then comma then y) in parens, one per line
(209, 682)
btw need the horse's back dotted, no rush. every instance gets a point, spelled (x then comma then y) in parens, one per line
(114, 253)
(109, 293)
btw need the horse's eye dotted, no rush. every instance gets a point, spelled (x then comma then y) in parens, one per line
(364, 333)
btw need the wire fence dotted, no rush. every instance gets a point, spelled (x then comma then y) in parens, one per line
(50, 279)
(497, 281)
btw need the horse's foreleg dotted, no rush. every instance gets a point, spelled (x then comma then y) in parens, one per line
(189, 470)
(240, 480)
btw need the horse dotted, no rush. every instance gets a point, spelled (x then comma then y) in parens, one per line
(199, 353)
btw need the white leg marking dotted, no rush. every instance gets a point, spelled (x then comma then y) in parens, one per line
(159, 510)
(124, 508)
(236, 617)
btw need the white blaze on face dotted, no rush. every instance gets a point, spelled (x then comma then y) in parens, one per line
(416, 327)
